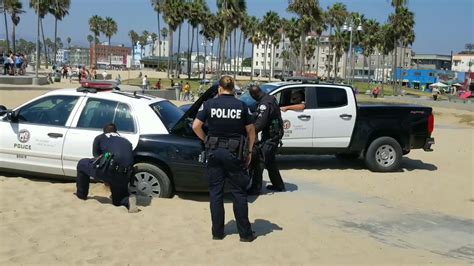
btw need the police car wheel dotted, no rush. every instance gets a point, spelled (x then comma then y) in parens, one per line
(384, 155)
(150, 181)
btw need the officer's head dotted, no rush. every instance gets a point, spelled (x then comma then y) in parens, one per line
(256, 92)
(226, 85)
(110, 128)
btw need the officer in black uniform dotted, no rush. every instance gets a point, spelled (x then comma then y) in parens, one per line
(112, 163)
(268, 121)
(230, 124)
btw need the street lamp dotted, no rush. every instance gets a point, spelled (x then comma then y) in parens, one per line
(349, 25)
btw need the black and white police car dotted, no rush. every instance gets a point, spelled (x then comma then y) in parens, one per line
(48, 135)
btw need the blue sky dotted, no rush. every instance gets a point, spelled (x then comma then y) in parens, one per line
(441, 25)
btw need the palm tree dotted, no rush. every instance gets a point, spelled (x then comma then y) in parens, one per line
(173, 17)
(209, 31)
(109, 28)
(270, 27)
(14, 8)
(293, 32)
(154, 37)
(230, 13)
(385, 45)
(59, 9)
(5, 8)
(95, 26)
(319, 29)
(310, 13)
(68, 40)
(90, 39)
(309, 51)
(134, 39)
(195, 16)
(41, 7)
(158, 6)
(164, 35)
(369, 41)
(336, 15)
(253, 25)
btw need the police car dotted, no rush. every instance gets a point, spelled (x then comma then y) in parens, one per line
(48, 135)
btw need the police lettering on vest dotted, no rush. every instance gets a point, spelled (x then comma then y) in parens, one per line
(226, 113)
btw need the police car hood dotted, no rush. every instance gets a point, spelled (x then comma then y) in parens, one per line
(192, 111)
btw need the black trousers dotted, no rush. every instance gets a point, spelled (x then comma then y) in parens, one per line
(264, 158)
(224, 166)
(118, 183)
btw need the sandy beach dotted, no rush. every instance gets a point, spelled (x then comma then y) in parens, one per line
(334, 212)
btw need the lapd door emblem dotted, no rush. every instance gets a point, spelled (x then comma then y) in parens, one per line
(286, 124)
(24, 136)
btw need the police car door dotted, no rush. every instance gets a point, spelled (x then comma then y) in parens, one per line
(297, 125)
(34, 142)
(92, 116)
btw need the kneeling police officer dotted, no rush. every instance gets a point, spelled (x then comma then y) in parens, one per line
(228, 155)
(268, 121)
(112, 163)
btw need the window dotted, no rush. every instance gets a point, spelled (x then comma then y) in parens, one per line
(276, 55)
(290, 96)
(331, 97)
(269, 54)
(52, 110)
(168, 113)
(256, 63)
(97, 113)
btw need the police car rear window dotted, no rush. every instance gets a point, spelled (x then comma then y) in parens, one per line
(167, 112)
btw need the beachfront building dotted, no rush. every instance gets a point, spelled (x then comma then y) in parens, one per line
(321, 63)
(431, 61)
(79, 56)
(117, 55)
(62, 56)
(463, 63)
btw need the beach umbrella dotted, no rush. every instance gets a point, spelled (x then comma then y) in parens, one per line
(439, 84)
(457, 84)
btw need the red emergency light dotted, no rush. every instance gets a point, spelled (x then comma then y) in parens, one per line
(97, 85)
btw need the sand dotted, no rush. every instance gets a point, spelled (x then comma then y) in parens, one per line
(334, 212)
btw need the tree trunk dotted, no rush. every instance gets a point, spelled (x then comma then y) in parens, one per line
(205, 61)
(159, 36)
(218, 63)
(383, 74)
(252, 72)
(222, 50)
(44, 44)
(242, 54)
(178, 64)
(335, 68)
(6, 31)
(265, 58)
(394, 69)
(190, 51)
(329, 53)
(368, 73)
(170, 50)
(402, 63)
(133, 55)
(235, 53)
(229, 66)
(14, 37)
(55, 37)
(302, 53)
(272, 60)
(317, 57)
(197, 49)
(110, 51)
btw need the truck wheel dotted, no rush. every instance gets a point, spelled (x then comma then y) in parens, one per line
(150, 181)
(383, 155)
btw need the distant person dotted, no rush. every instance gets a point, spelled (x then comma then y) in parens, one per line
(2, 62)
(186, 91)
(140, 75)
(104, 74)
(158, 84)
(376, 92)
(297, 102)
(145, 83)
(435, 93)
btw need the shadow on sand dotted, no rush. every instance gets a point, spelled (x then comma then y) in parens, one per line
(322, 162)
(261, 227)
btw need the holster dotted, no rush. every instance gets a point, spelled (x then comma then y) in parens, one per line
(236, 146)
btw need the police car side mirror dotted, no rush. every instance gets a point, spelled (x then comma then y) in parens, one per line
(12, 116)
(3, 110)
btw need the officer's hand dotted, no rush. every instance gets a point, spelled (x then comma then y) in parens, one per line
(249, 159)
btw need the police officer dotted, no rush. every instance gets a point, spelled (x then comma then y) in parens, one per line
(230, 124)
(112, 163)
(268, 121)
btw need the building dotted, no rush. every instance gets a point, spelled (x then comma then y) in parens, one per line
(322, 62)
(149, 51)
(79, 57)
(431, 61)
(463, 63)
(105, 53)
(62, 56)
(422, 78)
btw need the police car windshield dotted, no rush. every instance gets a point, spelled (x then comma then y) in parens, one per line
(247, 99)
(167, 112)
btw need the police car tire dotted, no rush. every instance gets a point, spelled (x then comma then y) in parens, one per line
(166, 190)
(390, 162)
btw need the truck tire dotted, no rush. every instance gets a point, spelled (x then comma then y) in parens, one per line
(148, 180)
(384, 155)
